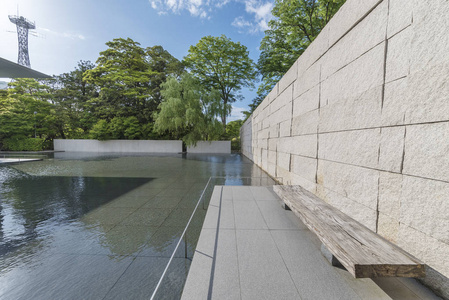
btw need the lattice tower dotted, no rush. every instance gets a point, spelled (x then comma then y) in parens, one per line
(23, 25)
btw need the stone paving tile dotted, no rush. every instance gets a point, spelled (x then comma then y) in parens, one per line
(278, 218)
(263, 274)
(226, 211)
(263, 193)
(240, 193)
(314, 278)
(248, 216)
(276, 255)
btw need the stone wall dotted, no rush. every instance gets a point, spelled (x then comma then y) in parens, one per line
(362, 120)
(217, 147)
(139, 146)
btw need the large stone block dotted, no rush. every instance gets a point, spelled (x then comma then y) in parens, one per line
(282, 100)
(284, 113)
(426, 151)
(424, 206)
(308, 101)
(305, 145)
(273, 94)
(288, 77)
(306, 123)
(273, 131)
(400, 15)
(430, 42)
(305, 167)
(307, 80)
(295, 179)
(391, 148)
(272, 144)
(272, 157)
(395, 102)
(356, 183)
(352, 12)
(355, 210)
(315, 50)
(361, 75)
(398, 55)
(430, 250)
(359, 147)
(357, 112)
(283, 160)
(427, 97)
(390, 190)
(367, 34)
(388, 227)
(285, 128)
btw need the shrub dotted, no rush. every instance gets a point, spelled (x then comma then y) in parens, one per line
(19, 143)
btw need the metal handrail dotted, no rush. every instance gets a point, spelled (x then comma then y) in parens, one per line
(179, 242)
(188, 223)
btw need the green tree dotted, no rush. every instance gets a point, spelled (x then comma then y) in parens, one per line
(70, 94)
(223, 65)
(165, 65)
(189, 111)
(26, 111)
(123, 76)
(295, 25)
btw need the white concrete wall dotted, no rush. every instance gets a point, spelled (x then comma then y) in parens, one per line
(362, 120)
(143, 146)
(210, 147)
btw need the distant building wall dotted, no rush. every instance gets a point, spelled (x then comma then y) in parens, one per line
(362, 120)
(143, 146)
(210, 147)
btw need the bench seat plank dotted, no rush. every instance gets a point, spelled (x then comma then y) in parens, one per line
(361, 251)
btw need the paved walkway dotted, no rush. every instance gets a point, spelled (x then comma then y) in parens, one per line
(250, 248)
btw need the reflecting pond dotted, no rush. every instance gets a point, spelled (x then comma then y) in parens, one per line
(93, 226)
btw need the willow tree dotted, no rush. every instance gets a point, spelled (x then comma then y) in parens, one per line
(189, 111)
(223, 65)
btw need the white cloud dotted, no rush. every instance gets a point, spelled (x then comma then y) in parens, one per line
(259, 10)
(69, 35)
(261, 13)
(236, 114)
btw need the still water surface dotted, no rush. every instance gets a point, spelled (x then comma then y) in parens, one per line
(92, 226)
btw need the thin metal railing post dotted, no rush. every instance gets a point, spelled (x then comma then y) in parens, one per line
(185, 245)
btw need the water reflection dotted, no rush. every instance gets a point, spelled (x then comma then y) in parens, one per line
(105, 220)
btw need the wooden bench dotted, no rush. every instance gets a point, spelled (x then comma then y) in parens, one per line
(361, 251)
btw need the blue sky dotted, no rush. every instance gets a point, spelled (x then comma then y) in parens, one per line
(70, 31)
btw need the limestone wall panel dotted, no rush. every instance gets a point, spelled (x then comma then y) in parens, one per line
(308, 101)
(391, 148)
(289, 77)
(306, 123)
(349, 14)
(369, 33)
(426, 151)
(424, 206)
(305, 167)
(359, 111)
(400, 15)
(359, 147)
(355, 183)
(361, 75)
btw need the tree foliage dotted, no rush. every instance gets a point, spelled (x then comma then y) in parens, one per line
(223, 65)
(25, 111)
(295, 25)
(189, 111)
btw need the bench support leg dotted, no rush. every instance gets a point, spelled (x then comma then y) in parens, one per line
(285, 206)
(330, 257)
